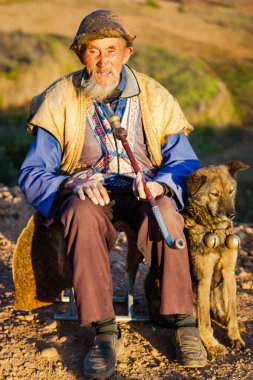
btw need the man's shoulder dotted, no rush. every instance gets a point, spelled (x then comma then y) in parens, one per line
(72, 79)
(59, 88)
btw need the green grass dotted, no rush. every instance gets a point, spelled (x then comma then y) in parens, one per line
(52, 45)
(188, 79)
(15, 142)
(18, 51)
(13, 72)
(213, 141)
(8, 172)
(238, 77)
(153, 3)
(223, 15)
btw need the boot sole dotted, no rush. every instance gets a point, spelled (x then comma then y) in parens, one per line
(193, 364)
(105, 375)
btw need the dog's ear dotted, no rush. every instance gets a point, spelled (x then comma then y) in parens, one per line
(194, 181)
(234, 166)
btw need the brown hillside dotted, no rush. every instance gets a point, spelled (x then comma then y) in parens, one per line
(187, 27)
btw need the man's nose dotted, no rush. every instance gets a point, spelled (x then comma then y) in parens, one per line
(103, 59)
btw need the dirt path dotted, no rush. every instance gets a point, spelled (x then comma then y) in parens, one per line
(35, 346)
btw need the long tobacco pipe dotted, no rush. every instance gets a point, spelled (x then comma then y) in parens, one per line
(121, 134)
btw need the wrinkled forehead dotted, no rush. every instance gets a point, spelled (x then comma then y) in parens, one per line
(106, 43)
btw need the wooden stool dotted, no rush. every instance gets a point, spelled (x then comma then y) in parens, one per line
(41, 271)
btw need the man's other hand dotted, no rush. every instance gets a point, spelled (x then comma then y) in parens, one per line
(93, 189)
(138, 188)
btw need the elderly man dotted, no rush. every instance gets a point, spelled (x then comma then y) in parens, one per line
(75, 157)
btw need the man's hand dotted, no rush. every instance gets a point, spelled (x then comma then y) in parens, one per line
(138, 188)
(92, 188)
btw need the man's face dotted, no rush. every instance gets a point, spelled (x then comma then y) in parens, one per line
(104, 59)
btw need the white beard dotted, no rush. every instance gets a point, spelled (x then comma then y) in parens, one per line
(95, 91)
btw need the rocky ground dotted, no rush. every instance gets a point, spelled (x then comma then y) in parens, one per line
(35, 346)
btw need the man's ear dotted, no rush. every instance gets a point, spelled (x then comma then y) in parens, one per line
(81, 54)
(128, 52)
(194, 182)
(234, 166)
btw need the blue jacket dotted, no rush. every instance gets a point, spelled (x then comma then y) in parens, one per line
(39, 180)
(39, 176)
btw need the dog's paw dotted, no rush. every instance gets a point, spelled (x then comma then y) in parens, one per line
(217, 349)
(237, 343)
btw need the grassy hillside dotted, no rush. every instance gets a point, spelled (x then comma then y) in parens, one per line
(28, 63)
(238, 76)
(200, 50)
(201, 94)
(189, 79)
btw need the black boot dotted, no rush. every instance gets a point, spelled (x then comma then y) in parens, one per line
(190, 350)
(101, 359)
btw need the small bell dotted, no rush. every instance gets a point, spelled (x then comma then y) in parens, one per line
(212, 240)
(233, 241)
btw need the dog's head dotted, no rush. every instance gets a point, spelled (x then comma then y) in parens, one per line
(211, 191)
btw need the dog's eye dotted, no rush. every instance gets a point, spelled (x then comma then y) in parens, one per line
(215, 195)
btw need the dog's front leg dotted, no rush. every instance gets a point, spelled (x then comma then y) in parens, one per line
(203, 306)
(229, 297)
(216, 306)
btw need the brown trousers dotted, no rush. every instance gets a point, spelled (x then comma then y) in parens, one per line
(90, 235)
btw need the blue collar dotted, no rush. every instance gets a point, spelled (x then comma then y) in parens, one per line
(122, 83)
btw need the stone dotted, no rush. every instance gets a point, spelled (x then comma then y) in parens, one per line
(52, 339)
(29, 365)
(122, 366)
(244, 275)
(63, 339)
(247, 285)
(50, 324)
(20, 318)
(50, 353)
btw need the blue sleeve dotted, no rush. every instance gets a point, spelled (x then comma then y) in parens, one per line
(38, 177)
(179, 160)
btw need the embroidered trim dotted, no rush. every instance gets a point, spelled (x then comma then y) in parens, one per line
(114, 159)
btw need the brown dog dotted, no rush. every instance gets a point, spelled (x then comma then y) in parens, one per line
(208, 215)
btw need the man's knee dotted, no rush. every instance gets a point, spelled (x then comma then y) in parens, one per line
(91, 218)
(82, 211)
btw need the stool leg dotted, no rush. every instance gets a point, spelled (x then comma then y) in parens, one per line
(71, 315)
(130, 297)
(130, 302)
